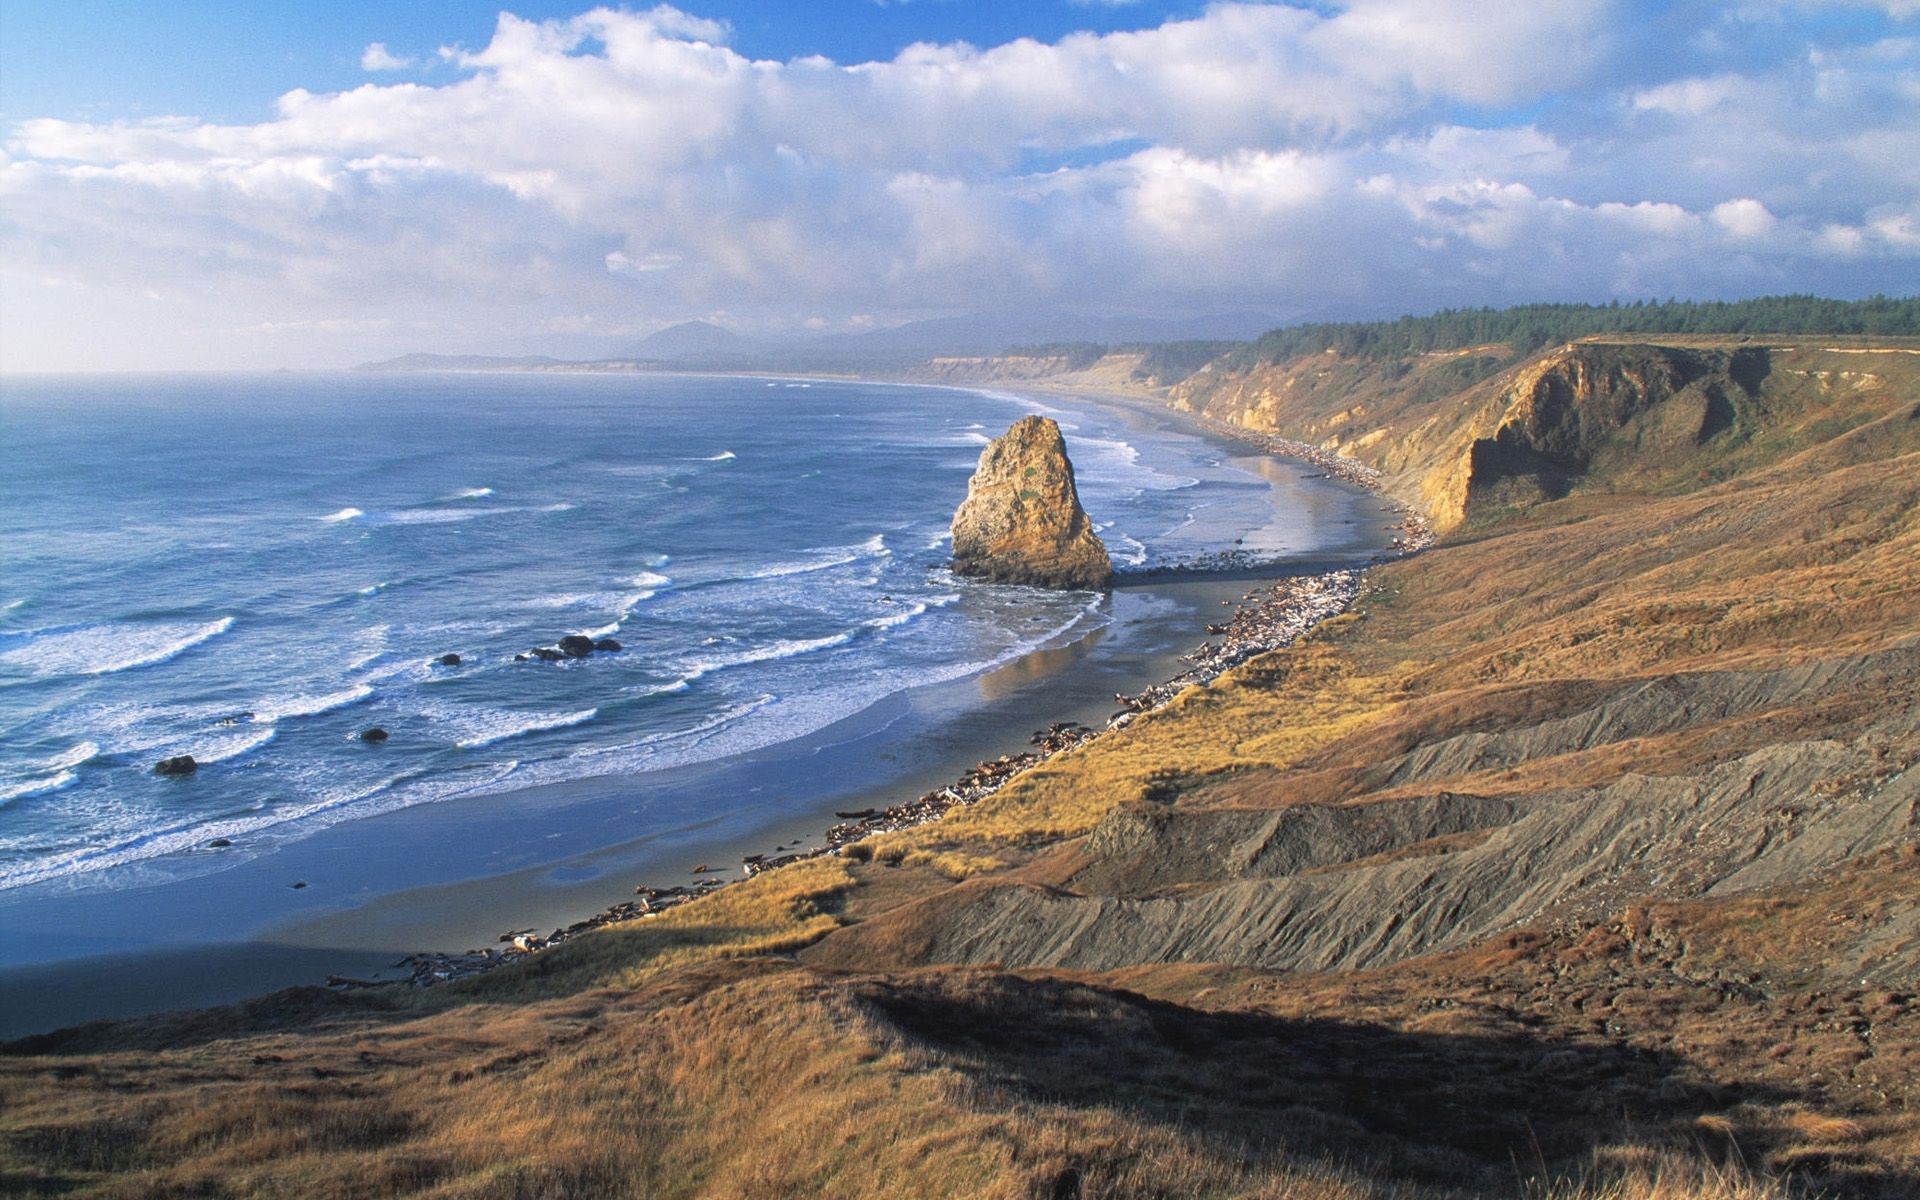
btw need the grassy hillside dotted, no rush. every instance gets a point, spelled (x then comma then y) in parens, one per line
(1581, 859)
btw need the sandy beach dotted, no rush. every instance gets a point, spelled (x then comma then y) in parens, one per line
(358, 899)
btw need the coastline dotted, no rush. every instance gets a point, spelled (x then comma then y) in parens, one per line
(556, 886)
(1266, 618)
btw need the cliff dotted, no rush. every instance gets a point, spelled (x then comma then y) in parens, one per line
(1021, 521)
(1580, 858)
(1470, 435)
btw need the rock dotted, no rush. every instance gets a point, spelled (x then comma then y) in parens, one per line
(219, 843)
(520, 658)
(297, 886)
(375, 734)
(546, 654)
(179, 764)
(606, 644)
(449, 660)
(576, 645)
(1021, 521)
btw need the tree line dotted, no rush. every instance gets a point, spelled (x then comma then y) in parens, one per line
(1528, 327)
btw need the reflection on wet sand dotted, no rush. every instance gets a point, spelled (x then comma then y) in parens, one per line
(1040, 664)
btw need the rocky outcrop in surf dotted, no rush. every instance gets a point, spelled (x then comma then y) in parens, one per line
(1021, 521)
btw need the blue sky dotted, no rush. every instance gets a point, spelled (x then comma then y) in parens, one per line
(227, 184)
(228, 61)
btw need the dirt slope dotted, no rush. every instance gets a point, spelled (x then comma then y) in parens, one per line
(1581, 859)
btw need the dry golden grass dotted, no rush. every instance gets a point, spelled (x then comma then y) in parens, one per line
(1819, 1127)
(1641, 1175)
(771, 913)
(690, 1056)
(1206, 732)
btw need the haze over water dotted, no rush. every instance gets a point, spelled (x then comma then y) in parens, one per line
(252, 570)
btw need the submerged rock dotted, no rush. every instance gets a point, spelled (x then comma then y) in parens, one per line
(1021, 521)
(179, 764)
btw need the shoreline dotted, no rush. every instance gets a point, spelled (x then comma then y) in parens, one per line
(510, 872)
(1267, 618)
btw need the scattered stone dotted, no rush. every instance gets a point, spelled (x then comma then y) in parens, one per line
(1270, 617)
(179, 764)
(348, 983)
(374, 734)
(449, 660)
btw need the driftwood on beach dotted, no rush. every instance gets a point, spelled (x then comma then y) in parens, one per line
(1268, 618)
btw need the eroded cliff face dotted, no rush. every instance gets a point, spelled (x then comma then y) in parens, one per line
(1021, 521)
(1459, 436)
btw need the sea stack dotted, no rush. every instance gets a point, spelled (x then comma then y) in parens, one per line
(1021, 521)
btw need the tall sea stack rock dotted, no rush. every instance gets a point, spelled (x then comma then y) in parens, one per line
(1021, 521)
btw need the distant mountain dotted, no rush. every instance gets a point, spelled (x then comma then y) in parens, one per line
(993, 333)
(460, 362)
(701, 345)
(692, 340)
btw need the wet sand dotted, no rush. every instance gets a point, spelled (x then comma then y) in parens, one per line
(457, 875)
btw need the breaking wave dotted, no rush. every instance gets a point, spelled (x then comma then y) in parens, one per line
(486, 728)
(105, 648)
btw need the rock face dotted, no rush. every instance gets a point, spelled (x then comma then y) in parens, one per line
(1021, 521)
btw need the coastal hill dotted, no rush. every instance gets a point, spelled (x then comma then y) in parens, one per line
(690, 340)
(1580, 858)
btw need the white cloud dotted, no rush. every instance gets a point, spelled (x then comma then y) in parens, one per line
(376, 57)
(1744, 218)
(634, 164)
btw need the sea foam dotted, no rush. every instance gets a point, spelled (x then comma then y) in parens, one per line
(484, 728)
(103, 649)
(267, 712)
(785, 648)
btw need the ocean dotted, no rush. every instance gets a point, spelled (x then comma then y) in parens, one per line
(254, 569)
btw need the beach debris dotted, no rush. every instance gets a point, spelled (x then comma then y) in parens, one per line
(179, 764)
(346, 983)
(1270, 618)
